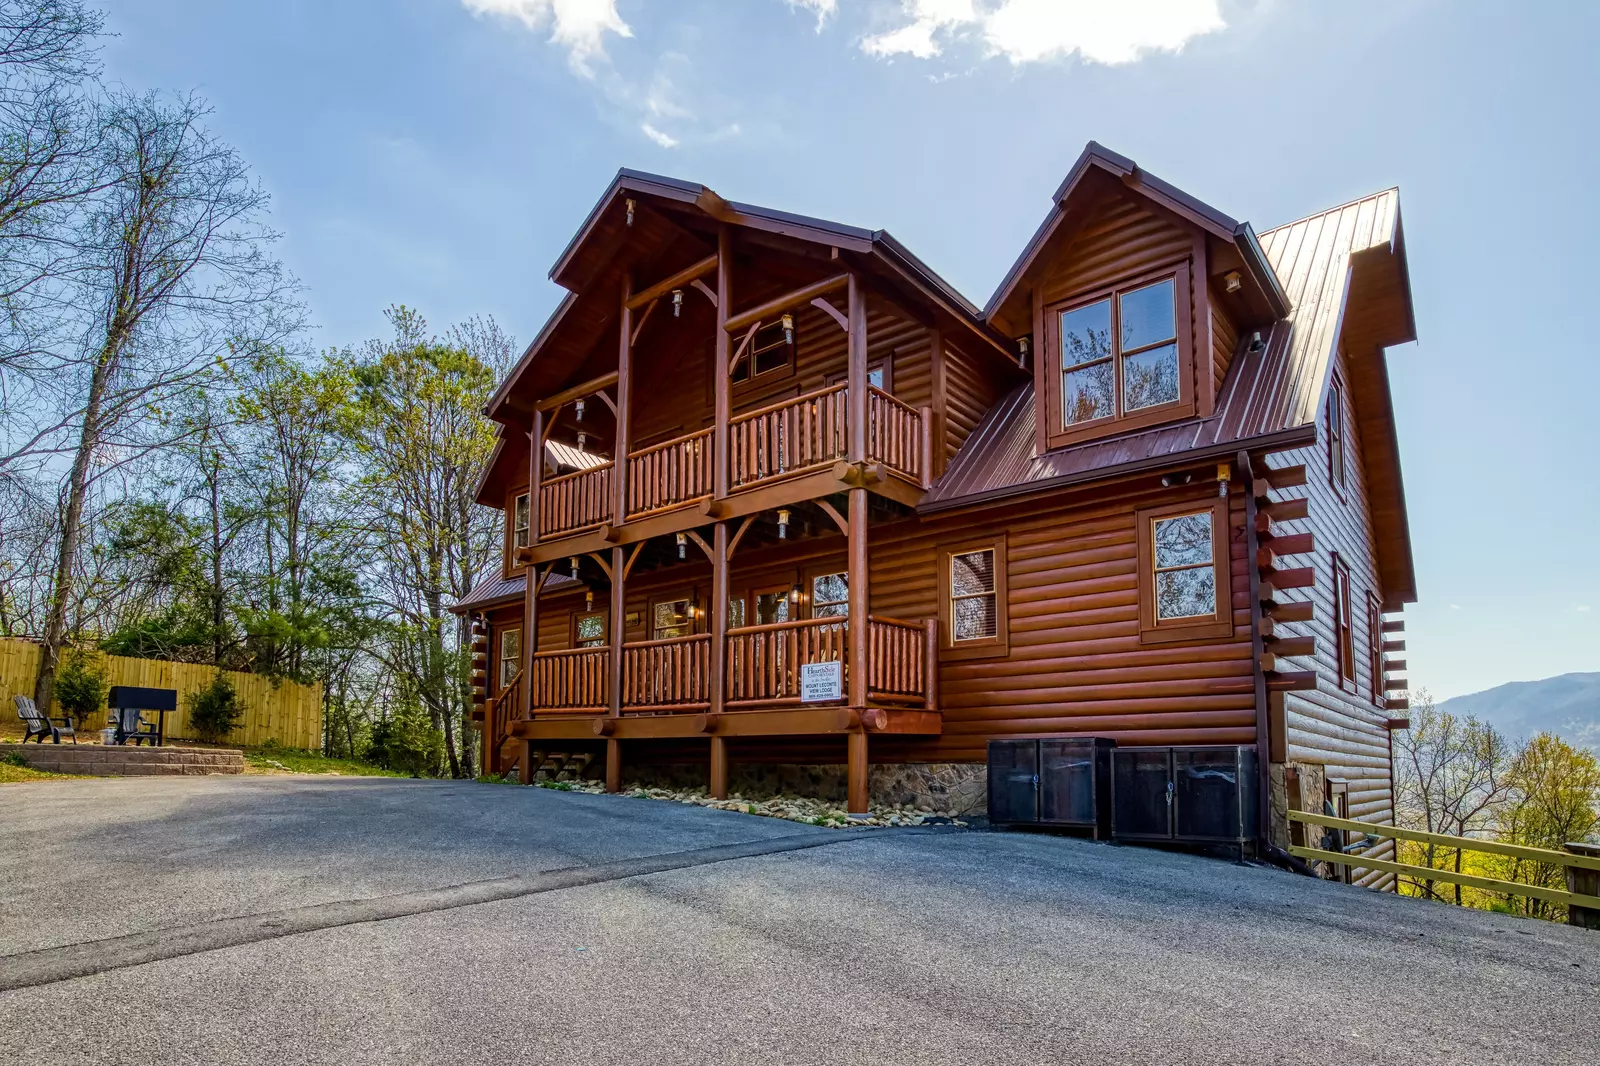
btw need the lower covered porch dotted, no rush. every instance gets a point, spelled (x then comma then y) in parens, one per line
(787, 679)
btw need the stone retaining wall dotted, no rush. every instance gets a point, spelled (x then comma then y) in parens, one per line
(95, 760)
(957, 788)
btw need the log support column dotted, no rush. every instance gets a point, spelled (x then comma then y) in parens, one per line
(719, 652)
(619, 513)
(719, 768)
(613, 764)
(856, 773)
(856, 636)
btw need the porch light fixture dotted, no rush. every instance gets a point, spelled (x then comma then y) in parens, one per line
(588, 600)
(783, 523)
(578, 410)
(1024, 345)
(583, 438)
(794, 594)
(677, 302)
(788, 329)
(683, 546)
(573, 563)
(630, 212)
(1224, 475)
(1231, 281)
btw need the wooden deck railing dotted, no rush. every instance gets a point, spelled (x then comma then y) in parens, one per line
(573, 502)
(788, 437)
(670, 474)
(504, 709)
(573, 679)
(895, 433)
(666, 675)
(897, 666)
(764, 661)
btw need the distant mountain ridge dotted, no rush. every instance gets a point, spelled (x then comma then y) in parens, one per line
(1568, 706)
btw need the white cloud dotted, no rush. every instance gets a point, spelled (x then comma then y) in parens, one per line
(665, 140)
(823, 8)
(1026, 31)
(1582, 608)
(579, 26)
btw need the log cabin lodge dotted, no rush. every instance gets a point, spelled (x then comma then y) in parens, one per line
(1150, 491)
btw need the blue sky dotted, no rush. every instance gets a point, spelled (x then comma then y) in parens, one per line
(440, 153)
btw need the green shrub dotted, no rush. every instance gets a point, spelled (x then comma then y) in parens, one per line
(14, 758)
(81, 684)
(406, 743)
(215, 709)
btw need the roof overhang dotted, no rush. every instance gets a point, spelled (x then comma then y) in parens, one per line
(1097, 168)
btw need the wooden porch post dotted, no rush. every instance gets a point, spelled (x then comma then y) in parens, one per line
(530, 593)
(618, 607)
(619, 460)
(719, 652)
(856, 773)
(856, 403)
(721, 387)
(935, 426)
(856, 643)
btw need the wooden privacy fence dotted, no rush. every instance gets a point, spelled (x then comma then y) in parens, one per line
(283, 711)
(1580, 901)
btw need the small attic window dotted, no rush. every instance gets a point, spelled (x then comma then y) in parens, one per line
(1119, 358)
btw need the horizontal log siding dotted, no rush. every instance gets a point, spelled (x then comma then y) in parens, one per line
(970, 390)
(1075, 663)
(1342, 730)
(1224, 342)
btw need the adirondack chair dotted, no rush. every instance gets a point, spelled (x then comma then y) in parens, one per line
(132, 726)
(41, 725)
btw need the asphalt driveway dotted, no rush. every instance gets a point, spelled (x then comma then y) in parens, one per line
(309, 920)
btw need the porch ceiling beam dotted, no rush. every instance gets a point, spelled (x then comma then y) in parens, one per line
(577, 392)
(733, 543)
(833, 513)
(633, 557)
(803, 295)
(700, 541)
(704, 288)
(682, 278)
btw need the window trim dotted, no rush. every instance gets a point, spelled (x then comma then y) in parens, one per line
(501, 681)
(1215, 626)
(997, 646)
(1344, 640)
(1375, 648)
(1057, 435)
(577, 615)
(885, 363)
(1338, 436)
(688, 596)
(809, 574)
(754, 383)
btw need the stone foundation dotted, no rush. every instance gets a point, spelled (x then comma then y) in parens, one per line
(95, 760)
(953, 788)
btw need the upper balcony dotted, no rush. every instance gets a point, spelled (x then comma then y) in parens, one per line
(791, 450)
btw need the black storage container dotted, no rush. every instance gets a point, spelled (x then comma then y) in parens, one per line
(1190, 795)
(1055, 782)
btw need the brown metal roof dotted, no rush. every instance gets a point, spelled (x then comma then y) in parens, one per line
(1270, 398)
(495, 590)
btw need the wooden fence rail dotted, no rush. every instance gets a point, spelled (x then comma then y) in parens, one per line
(764, 661)
(1449, 877)
(894, 434)
(283, 711)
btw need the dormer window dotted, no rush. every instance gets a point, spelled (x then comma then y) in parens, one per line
(1119, 359)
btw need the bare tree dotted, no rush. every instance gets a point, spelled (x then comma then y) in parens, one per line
(175, 269)
(1452, 776)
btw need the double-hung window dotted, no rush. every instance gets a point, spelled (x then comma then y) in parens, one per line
(973, 595)
(589, 630)
(1343, 627)
(510, 655)
(1184, 589)
(1375, 648)
(519, 522)
(1338, 460)
(671, 618)
(830, 595)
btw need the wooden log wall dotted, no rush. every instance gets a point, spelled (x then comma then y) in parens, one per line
(1339, 725)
